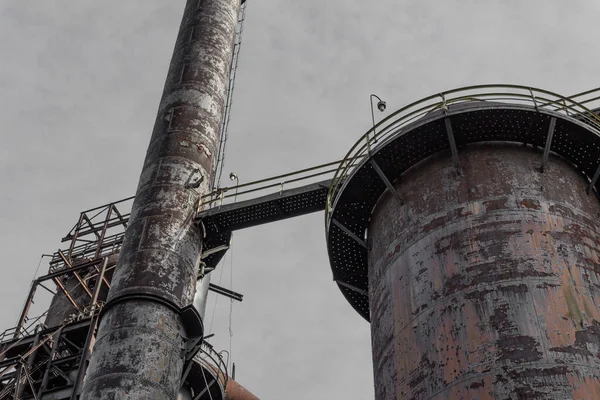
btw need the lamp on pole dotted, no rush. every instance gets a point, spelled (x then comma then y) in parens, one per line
(381, 107)
(235, 178)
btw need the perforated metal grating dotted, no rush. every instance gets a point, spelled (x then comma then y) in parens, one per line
(471, 123)
(221, 221)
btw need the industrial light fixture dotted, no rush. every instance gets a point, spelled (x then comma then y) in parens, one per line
(381, 105)
(235, 178)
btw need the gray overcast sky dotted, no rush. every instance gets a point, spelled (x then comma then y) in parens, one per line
(80, 82)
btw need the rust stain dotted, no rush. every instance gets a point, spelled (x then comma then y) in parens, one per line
(490, 293)
(530, 203)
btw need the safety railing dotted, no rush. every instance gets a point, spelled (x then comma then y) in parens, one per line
(212, 361)
(274, 184)
(577, 106)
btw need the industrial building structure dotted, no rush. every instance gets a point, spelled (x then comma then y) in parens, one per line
(463, 226)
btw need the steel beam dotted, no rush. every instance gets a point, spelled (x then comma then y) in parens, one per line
(385, 179)
(352, 287)
(226, 292)
(53, 351)
(23, 316)
(548, 143)
(452, 143)
(594, 180)
(348, 232)
(75, 273)
(140, 337)
(66, 293)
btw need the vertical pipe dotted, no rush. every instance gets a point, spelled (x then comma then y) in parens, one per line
(87, 348)
(139, 352)
(25, 312)
(26, 367)
(46, 378)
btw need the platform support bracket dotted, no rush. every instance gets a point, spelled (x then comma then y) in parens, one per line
(548, 143)
(351, 287)
(385, 180)
(452, 142)
(349, 232)
(594, 180)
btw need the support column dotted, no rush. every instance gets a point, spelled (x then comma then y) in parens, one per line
(139, 352)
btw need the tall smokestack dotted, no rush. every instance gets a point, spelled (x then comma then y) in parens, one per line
(139, 353)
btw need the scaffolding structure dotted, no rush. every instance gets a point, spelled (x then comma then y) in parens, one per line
(45, 356)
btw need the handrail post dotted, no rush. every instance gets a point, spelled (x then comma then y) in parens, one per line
(534, 100)
(444, 103)
(221, 199)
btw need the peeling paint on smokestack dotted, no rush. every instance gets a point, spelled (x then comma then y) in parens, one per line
(140, 342)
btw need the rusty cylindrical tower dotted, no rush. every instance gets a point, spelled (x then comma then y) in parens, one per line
(468, 238)
(140, 348)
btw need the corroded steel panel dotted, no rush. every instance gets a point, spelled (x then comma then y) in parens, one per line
(139, 352)
(235, 391)
(486, 284)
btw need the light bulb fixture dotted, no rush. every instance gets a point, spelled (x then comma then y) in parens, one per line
(381, 105)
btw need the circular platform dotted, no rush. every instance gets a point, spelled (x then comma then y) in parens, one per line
(542, 120)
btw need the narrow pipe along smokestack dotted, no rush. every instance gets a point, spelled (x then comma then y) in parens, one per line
(140, 348)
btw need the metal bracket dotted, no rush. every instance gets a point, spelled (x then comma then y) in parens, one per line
(548, 143)
(217, 249)
(594, 180)
(349, 233)
(386, 181)
(194, 329)
(534, 100)
(444, 104)
(192, 322)
(351, 287)
(452, 142)
(225, 292)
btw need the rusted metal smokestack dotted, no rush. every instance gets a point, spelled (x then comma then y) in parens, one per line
(484, 284)
(139, 353)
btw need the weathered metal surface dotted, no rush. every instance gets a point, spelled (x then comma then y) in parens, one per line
(140, 343)
(201, 296)
(486, 285)
(235, 391)
(61, 307)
